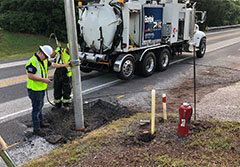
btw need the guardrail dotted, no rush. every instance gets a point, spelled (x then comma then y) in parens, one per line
(222, 27)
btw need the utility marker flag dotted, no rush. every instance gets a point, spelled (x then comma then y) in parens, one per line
(164, 108)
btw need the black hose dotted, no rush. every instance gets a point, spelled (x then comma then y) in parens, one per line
(118, 34)
(57, 43)
(48, 96)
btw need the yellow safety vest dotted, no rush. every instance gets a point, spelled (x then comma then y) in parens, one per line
(41, 72)
(63, 59)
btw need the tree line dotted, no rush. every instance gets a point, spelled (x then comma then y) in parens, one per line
(33, 16)
(47, 16)
(220, 12)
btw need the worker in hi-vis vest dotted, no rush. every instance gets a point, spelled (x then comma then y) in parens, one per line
(62, 79)
(37, 82)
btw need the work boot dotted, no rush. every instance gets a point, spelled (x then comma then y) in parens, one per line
(39, 133)
(44, 124)
(66, 107)
(57, 106)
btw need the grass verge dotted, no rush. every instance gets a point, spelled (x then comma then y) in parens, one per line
(16, 45)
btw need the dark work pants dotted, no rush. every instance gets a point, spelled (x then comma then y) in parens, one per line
(37, 98)
(62, 85)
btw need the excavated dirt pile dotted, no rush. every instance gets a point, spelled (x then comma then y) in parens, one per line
(96, 114)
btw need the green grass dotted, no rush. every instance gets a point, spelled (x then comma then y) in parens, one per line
(165, 160)
(16, 45)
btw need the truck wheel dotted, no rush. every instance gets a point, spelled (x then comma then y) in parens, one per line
(148, 64)
(86, 70)
(127, 69)
(202, 48)
(163, 60)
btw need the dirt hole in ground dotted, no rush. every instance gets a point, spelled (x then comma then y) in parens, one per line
(139, 134)
(96, 114)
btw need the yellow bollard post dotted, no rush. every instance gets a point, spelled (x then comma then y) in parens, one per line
(164, 108)
(153, 112)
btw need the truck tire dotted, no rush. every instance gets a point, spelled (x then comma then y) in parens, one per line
(202, 48)
(163, 60)
(127, 69)
(148, 64)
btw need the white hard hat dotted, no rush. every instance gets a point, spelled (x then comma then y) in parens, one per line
(47, 50)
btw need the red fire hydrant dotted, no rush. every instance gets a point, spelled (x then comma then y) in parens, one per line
(185, 113)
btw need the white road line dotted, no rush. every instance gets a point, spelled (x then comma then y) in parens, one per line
(223, 44)
(108, 84)
(178, 61)
(219, 32)
(13, 64)
(16, 63)
(14, 114)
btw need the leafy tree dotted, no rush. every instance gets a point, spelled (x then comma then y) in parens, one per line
(35, 17)
(220, 12)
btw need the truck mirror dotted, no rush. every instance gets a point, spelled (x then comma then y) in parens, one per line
(201, 16)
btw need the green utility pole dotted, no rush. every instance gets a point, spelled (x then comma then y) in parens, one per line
(76, 75)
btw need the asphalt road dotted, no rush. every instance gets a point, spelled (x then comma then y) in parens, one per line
(222, 50)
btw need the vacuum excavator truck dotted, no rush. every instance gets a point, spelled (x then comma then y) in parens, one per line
(136, 36)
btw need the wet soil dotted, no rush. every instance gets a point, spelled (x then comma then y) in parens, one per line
(96, 114)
